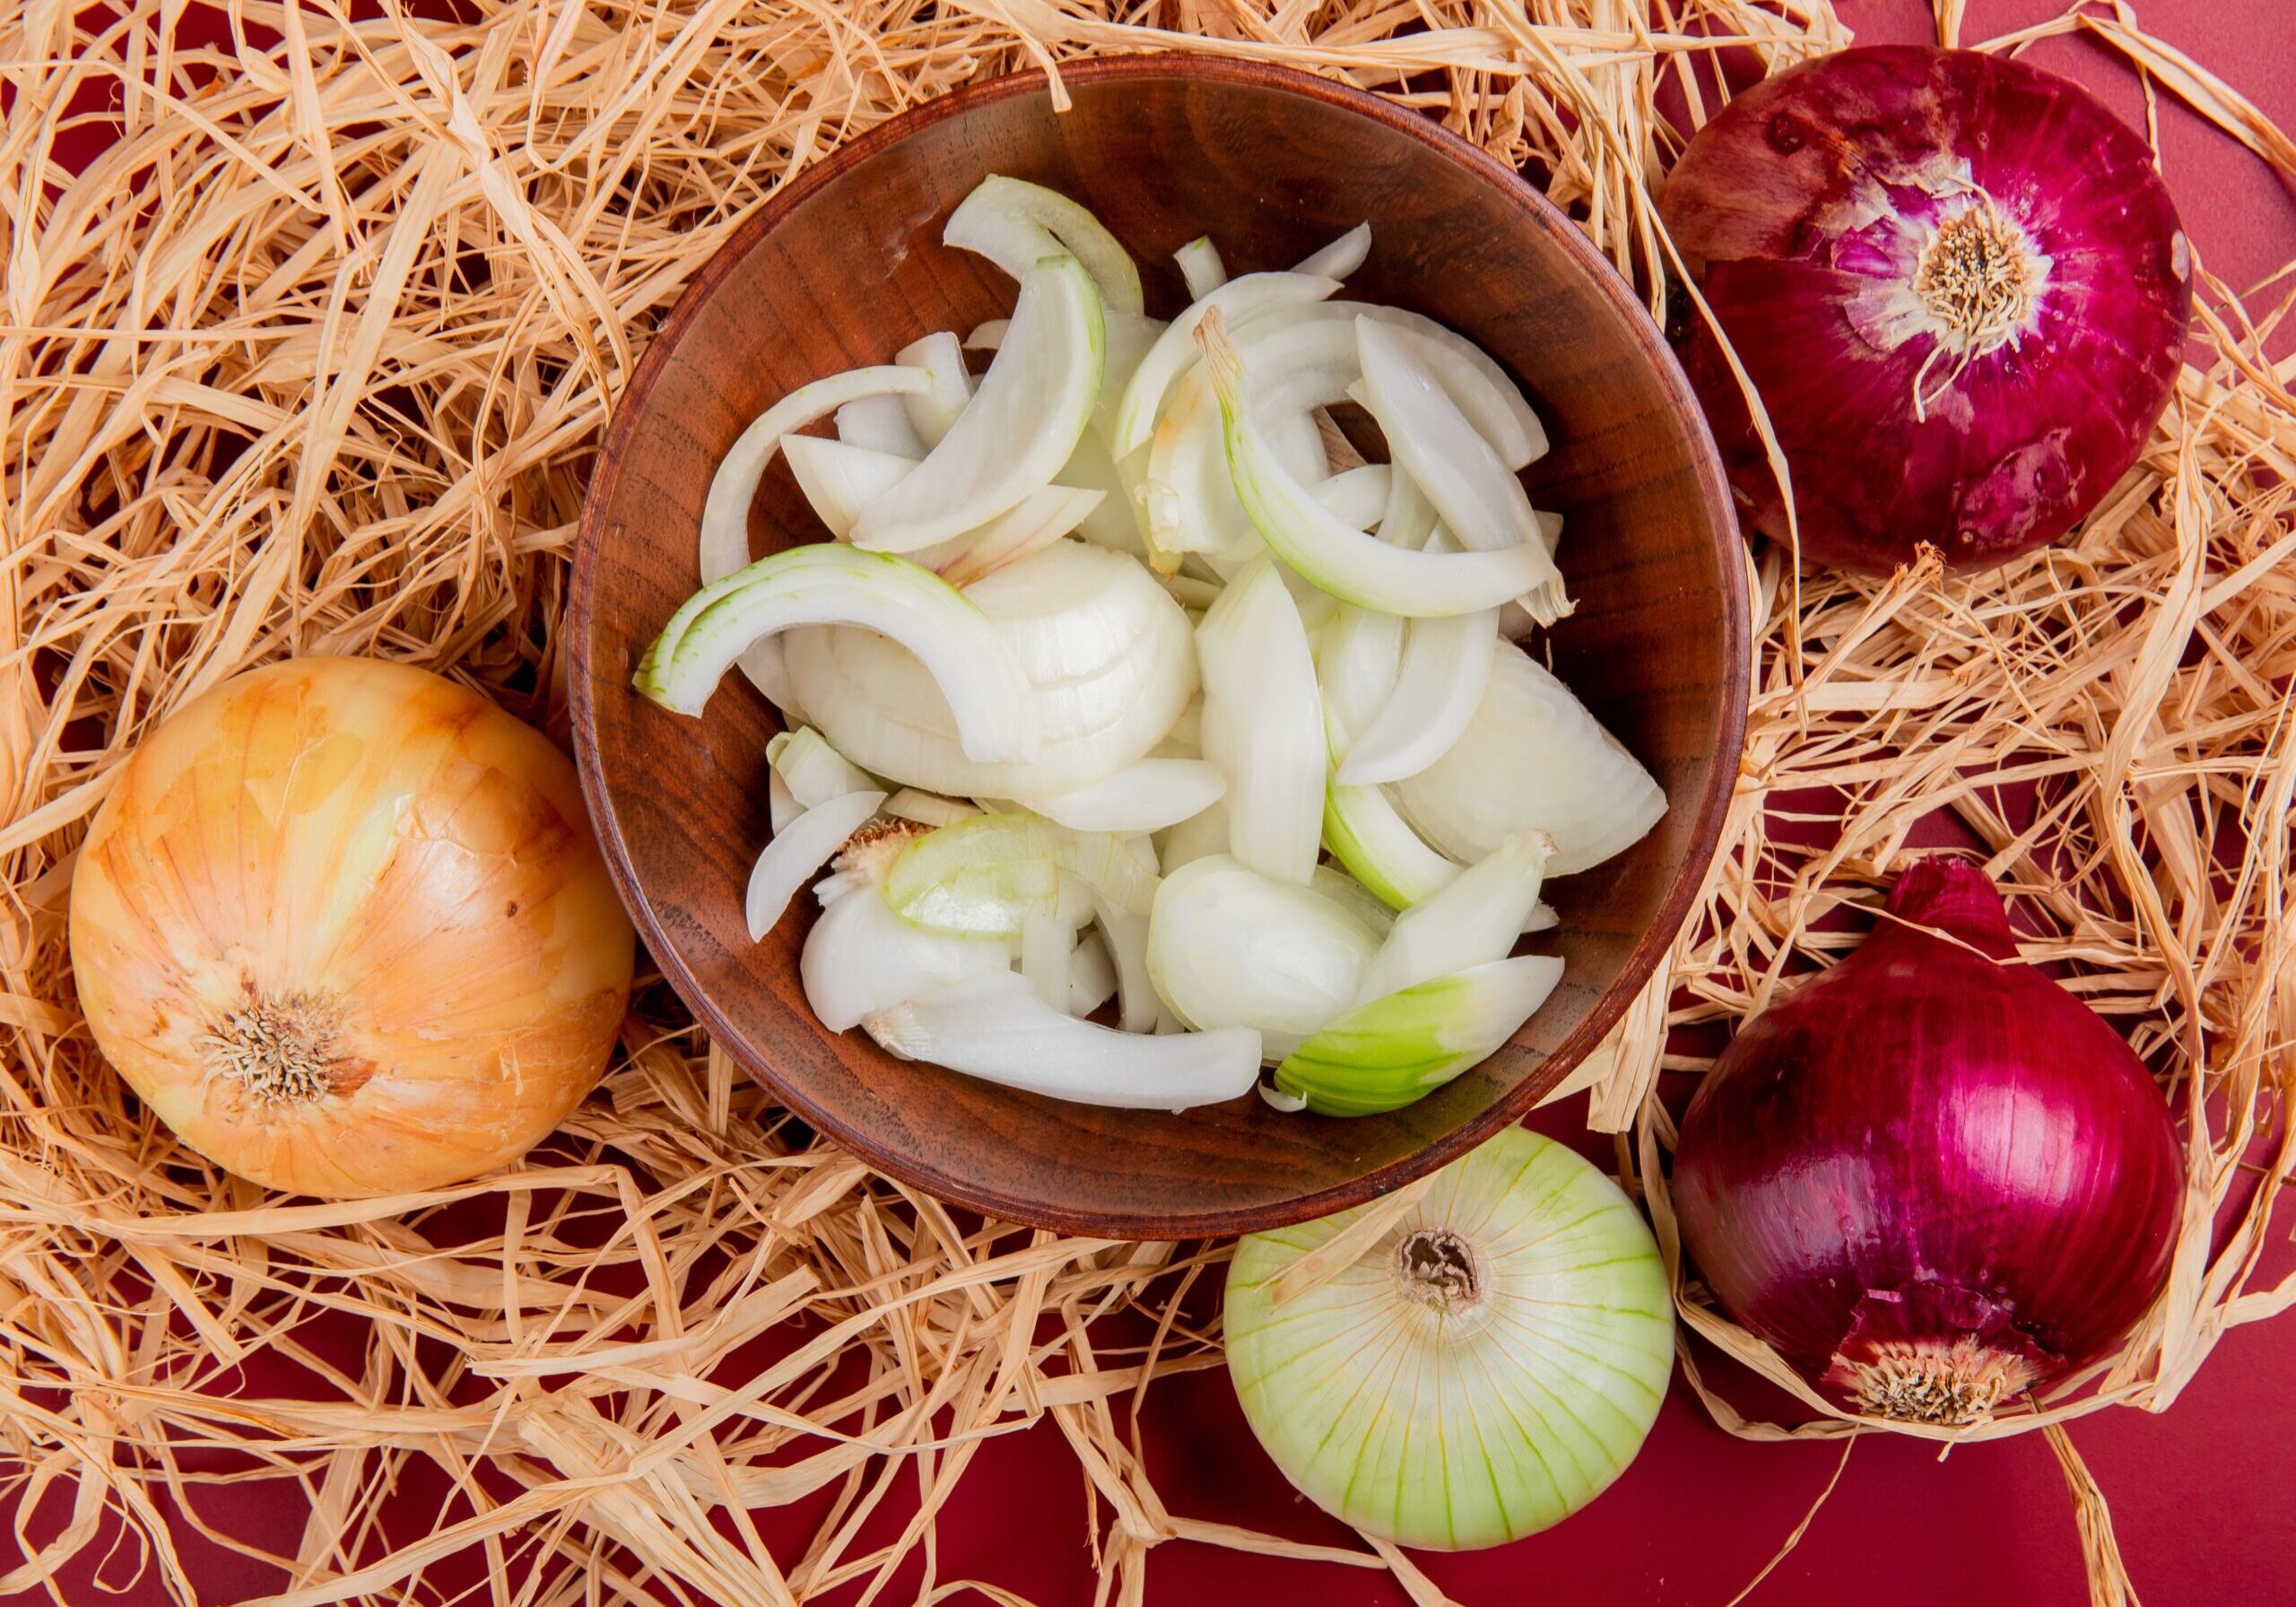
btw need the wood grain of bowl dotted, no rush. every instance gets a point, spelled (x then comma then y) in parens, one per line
(843, 267)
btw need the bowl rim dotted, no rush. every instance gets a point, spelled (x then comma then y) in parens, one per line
(1650, 950)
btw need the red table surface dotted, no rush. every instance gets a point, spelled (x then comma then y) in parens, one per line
(2199, 1495)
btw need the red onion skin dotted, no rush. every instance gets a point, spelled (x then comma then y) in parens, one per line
(1925, 1145)
(1779, 224)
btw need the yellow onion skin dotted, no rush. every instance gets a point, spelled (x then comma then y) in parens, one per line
(343, 926)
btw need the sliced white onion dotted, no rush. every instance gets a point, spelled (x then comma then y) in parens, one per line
(1342, 257)
(1354, 898)
(839, 478)
(1382, 1055)
(1046, 942)
(1106, 652)
(1333, 555)
(1228, 947)
(1409, 517)
(1365, 833)
(1543, 918)
(1186, 494)
(1263, 724)
(861, 957)
(1481, 502)
(981, 681)
(1116, 521)
(1359, 495)
(815, 771)
(1472, 921)
(1016, 224)
(1130, 339)
(724, 545)
(1146, 795)
(1041, 519)
(1356, 666)
(1445, 664)
(1234, 303)
(1126, 936)
(780, 803)
(1201, 267)
(1092, 975)
(1533, 758)
(1198, 836)
(928, 809)
(942, 358)
(1477, 386)
(793, 857)
(994, 1026)
(1022, 422)
(879, 423)
(988, 335)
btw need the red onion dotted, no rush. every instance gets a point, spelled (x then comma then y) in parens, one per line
(1957, 285)
(1929, 1180)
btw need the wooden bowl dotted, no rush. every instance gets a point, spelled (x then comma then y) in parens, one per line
(843, 267)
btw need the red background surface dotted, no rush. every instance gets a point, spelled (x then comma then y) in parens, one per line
(2199, 1494)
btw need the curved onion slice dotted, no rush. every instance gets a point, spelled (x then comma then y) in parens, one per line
(1356, 666)
(1359, 495)
(724, 545)
(1018, 429)
(1354, 898)
(815, 771)
(1201, 267)
(1481, 502)
(1046, 942)
(1236, 302)
(994, 1026)
(1379, 849)
(1477, 386)
(1409, 518)
(878, 424)
(1342, 257)
(982, 682)
(1198, 836)
(861, 957)
(989, 333)
(1147, 795)
(791, 857)
(1329, 554)
(838, 479)
(1445, 665)
(1263, 723)
(1016, 225)
(1190, 503)
(1382, 1055)
(1230, 948)
(1092, 975)
(1533, 757)
(1473, 921)
(928, 809)
(985, 875)
(781, 804)
(1106, 651)
(941, 356)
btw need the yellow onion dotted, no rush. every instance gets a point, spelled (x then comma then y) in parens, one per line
(343, 926)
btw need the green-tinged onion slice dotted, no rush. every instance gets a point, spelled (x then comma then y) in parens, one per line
(985, 875)
(1484, 1369)
(1378, 848)
(1384, 1054)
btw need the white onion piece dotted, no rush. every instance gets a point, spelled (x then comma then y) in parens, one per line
(878, 424)
(1199, 837)
(781, 804)
(1409, 518)
(1185, 740)
(1228, 947)
(994, 1026)
(724, 544)
(928, 809)
(1481, 502)
(1342, 257)
(1551, 602)
(1533, 758)
(1146, 795)
(942, 358)
(988, 335)
(1235, 303)
(861, 957)
(1046, 942)
(792, 857)
(1186, 494)
(1359, 495)
(1106, 651)
(1445, 664)
(1476, 385)
(1116, 521)
(1356, 666)
(979, 679)
(1130, 339)
(1354, 898)
(1126, 936)
(1472, 921)
(1201, 267)
(1041, 519)
(1331, 554)
(816, 772)
(1092, 975)
(1365, 833)
(840, 477)
(1016, 225)
(1263, 724)
(1403, 1045)
(1545, 917)
(1022, 422)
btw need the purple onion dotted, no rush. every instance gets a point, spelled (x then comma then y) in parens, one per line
(1929, 1179)
(1957, 285)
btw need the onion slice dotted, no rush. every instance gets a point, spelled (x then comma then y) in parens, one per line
(1359, 495)
(1016, 225)
(1019, 428)
(1383, 1055)
(1263, 723)
(861, 957)
(941, 357)
(994, 1026)
(1230, 948)
(1092, 975)
(1147, 795)
(792, 857)
(815, 771)
(1234, 303)
(876, 424)
(1379, 849)
(1201, 267)
(1439, 680)
(1471, 920)
(1342, 256)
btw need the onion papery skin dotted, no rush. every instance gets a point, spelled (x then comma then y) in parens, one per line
(1800, 213)
(385, 872)
(1931, 1178)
